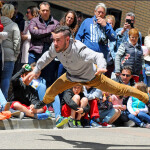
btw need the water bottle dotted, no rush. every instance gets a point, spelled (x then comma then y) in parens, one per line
(28, 67)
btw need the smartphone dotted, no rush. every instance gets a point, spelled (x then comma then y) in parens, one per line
(129, 22)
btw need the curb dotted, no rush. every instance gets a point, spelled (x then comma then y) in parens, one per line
(11, 124)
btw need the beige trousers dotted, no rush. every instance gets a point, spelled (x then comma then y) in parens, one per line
(100, 82)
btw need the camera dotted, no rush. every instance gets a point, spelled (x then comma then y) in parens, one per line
(129, 22)
(103, 41)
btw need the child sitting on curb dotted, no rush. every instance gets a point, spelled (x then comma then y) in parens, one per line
(138, 110)
(25, 96)
(75, 105)
(93, 96)
(106, 110)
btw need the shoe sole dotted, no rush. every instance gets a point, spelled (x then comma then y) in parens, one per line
(62, 123)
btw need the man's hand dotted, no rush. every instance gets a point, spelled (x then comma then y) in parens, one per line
(80, 110)
(30, 77)
(101, 21)
(99, 71)
(125, 27)
(35, 28)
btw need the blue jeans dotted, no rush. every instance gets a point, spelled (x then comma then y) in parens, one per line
(142, 116)
(2, 100)
(61, 70)
(56, 106)
(106, 115)
(6, 77)
(146, 78)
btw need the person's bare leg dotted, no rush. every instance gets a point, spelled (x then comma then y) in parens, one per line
(115, 116)
(83, 103)
(21, 108)
(76, 99)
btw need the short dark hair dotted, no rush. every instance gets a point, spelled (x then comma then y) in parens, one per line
(65, 29)
(127, 68)
(79, 14)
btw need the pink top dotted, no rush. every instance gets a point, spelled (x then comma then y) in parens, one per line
(116, 101)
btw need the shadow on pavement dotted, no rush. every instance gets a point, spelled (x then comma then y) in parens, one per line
(89, 145)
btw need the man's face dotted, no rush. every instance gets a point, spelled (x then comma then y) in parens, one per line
(130, 18)
(126, 76)
(44, 12)
(100, 12)
(60, 41)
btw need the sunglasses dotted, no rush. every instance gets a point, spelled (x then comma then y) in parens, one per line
(127, 75)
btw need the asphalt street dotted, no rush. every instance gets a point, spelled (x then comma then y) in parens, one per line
(93, 138)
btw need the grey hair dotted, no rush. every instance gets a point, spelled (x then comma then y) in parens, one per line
(101, 5)
(44, 3)
(130, 14)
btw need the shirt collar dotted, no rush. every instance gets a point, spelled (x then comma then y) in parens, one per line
(69, 47)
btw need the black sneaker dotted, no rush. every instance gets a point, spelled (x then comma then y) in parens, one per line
(72, 123)
(39, 105)
(79, 124)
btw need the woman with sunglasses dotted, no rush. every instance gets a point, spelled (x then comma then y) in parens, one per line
(32, 12)
(130, 53)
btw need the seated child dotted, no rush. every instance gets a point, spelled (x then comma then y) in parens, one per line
(138, 110)
(25, 96)
(75, 105)
(40, 85)
(106, 110)
(93, 96)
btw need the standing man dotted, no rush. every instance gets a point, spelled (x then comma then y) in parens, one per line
(41, 29)
(122, 33)
(94, 32)
(79, 61)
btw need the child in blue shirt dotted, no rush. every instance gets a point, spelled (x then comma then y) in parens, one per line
(138, 110)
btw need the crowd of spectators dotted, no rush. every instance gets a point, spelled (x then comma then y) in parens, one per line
(23, 42)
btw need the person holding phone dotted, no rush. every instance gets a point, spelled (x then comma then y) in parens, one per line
(122, 33)
(130, 53)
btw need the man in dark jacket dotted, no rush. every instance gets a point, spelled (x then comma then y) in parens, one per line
(124, 78)
(41, 28)
(18, 17)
